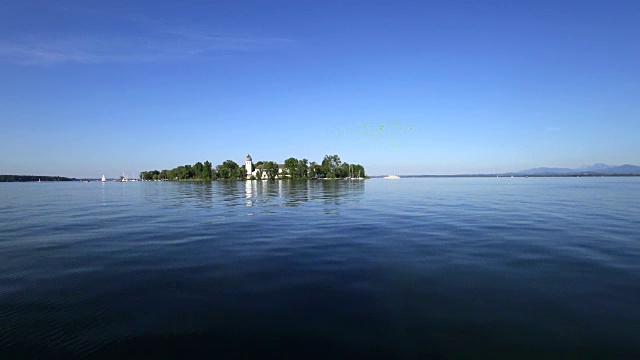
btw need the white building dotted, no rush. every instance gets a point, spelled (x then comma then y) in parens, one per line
(248, 164)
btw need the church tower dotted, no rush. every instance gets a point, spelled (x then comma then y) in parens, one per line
(248, 165)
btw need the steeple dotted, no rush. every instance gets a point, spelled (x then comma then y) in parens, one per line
(248, 165)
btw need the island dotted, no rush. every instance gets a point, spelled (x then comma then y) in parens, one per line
(331, 167)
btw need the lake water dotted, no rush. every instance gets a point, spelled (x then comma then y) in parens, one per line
(408, 268)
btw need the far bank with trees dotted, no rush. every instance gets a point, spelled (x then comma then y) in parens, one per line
(331, 167)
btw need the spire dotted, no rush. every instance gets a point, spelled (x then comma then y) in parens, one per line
(249, 158)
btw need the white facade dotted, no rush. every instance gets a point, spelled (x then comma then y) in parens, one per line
(249, 164)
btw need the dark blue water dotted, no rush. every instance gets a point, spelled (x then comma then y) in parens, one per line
(408, 268)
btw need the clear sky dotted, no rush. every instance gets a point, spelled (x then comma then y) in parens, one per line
(408, 87)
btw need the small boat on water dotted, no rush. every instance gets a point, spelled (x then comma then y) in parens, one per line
(392, 177)
(103, 179)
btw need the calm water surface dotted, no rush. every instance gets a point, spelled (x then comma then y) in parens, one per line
(408, 268)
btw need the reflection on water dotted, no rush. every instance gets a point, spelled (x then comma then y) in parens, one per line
(249, 190)
(266, 195)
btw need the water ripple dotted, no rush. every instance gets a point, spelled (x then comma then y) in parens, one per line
(412, 268)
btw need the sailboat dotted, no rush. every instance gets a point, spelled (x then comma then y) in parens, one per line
(103, 179)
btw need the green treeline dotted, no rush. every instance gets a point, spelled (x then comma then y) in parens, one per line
(26, 178)
(330, 167)
(196, 171)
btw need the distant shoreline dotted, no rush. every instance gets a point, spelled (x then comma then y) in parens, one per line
(33, 178)
(509, 176)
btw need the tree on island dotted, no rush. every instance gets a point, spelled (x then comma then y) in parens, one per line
(303, 169)
(314, 170)
(291, 166)
(241, 172)
(228, 169)
(271, 169)
(330, 165)
(206, 171)
(198, 170)
(150, 175)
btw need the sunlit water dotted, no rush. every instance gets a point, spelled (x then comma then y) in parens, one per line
(408, 268)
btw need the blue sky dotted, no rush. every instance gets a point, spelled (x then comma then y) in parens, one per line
(407, 87)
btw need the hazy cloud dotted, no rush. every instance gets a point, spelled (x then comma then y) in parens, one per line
(152, 45)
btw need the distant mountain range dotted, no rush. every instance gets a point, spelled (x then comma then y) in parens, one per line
(603, 169)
